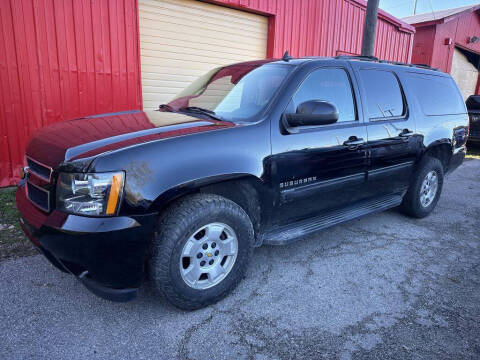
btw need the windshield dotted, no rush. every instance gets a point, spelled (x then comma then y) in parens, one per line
(236, 92)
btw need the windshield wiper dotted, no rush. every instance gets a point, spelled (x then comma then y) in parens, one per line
(199, 110)
(165, 107)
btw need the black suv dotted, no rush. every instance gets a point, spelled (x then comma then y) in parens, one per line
(262, 152)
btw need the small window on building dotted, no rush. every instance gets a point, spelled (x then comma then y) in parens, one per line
(384, 96)
(437, 95)
(329, 84)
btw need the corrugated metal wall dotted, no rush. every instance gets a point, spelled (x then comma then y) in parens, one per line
(61, 60)
(327, 28)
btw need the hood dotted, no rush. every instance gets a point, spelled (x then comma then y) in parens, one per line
(94, 135)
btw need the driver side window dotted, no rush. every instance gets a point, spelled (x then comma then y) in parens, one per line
(328, 84)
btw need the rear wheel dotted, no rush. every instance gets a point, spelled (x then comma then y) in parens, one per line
(202, 250)
(425, 188)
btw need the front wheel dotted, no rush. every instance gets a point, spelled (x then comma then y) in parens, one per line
(202, 250)
(425, 188)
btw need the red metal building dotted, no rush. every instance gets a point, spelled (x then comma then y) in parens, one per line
(450, 40)
(67, 59)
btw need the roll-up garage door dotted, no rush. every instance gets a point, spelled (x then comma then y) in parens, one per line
(183, 39)
(464, 73)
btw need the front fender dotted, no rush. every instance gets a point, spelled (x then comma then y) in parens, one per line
(167, 166)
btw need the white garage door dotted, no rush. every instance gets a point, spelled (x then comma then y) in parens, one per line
(183, 39)
(464, 73)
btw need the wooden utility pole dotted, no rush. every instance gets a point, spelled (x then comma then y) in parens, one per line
(370, 28)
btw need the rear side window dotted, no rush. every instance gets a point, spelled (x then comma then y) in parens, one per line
(384, 96)
(437, 95)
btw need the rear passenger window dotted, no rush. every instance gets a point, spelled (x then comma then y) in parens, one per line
(384, 96)
(437, 95)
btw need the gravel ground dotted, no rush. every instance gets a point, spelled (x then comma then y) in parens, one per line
(384, 286)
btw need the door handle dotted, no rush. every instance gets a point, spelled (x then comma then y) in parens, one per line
(353, 142)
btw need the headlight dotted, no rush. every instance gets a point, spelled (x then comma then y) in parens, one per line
(90, 194)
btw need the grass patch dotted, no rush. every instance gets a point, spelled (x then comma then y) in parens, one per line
(13, 242)
(8, 210)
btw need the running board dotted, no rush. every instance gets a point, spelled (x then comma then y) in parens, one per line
(289, 233)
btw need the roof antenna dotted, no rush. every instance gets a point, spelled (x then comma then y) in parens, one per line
(286, 56)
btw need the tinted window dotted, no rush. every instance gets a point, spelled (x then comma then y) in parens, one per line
(384, 97)
(437, 95)
(331, 85)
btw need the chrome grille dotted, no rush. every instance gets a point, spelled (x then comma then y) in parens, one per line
(43, 171)
(37, 190)
(38, 196)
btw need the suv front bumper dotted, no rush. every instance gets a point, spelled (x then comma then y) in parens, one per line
(106, 254)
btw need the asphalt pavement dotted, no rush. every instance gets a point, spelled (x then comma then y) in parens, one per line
(384, 286)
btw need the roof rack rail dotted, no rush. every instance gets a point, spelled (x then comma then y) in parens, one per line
(358, 57)
(373, 58)
(424, 66)
(393, 62)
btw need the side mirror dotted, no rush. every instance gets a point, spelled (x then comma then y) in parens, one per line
(312, 113)
(473, 102)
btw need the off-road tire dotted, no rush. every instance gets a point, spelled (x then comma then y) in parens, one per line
(411, 204)
(175, 226)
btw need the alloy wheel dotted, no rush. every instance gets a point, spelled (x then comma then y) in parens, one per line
(208, 255)
(429, 188)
